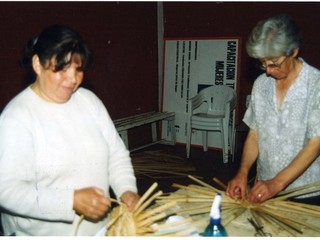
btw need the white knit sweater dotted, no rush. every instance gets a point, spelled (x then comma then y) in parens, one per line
(48, 150)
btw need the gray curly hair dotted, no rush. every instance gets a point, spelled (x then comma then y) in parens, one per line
(274, 37)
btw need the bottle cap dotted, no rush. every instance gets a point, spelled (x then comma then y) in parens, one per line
(215, 208)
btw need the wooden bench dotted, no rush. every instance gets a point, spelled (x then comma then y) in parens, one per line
(124, 124)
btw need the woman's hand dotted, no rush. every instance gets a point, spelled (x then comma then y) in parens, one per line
(130, 199)
(91, 203)
(237, 187)
(264, 190)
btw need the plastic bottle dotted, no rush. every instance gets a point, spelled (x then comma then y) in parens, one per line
(215, 228)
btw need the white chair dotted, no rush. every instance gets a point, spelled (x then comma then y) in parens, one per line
(209, 111)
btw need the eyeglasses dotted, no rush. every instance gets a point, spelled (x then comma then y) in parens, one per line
(273, 65)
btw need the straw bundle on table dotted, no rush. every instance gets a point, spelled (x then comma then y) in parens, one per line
(278, 213)
(139, 222)
(160, 164)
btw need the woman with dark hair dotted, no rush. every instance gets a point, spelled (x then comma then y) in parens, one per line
(283, 116)
(59, 150)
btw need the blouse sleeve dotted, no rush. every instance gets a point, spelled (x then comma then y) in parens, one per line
(249, 116)
(313, 129)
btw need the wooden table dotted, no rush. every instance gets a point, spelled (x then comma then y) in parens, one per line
(241, 227)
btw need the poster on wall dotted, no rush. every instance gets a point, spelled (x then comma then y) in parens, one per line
(191, 65)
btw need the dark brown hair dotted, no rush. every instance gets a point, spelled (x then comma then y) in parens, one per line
(57, 42)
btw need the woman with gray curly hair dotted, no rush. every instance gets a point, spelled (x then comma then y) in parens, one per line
(283, 116)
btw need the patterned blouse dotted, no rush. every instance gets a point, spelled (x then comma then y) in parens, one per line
(283, 132)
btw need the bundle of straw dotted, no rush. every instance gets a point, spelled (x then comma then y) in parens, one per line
(160, 164)
(140, 221)
(278, 213)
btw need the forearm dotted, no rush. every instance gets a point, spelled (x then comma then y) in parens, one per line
(121, 172)
(299, 164)
(264, 190)
(250, 153)
(237, 186)
(28, 200)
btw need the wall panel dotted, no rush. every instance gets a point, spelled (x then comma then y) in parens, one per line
(225, 19)
(123, 37)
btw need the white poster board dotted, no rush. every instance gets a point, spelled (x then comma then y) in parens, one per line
(191, 65)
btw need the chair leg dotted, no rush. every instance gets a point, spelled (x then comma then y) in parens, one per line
(232, 137)
(230, 140)
(154, 131)
(173, 131)
(188, 141)
(225, 144)
(205, 140)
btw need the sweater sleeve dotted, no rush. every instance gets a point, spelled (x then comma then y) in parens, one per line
(120, 170)
(19, 193)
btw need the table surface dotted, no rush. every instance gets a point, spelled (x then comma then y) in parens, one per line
(241, 227)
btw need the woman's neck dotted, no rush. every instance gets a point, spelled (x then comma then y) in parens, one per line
(284, 84)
